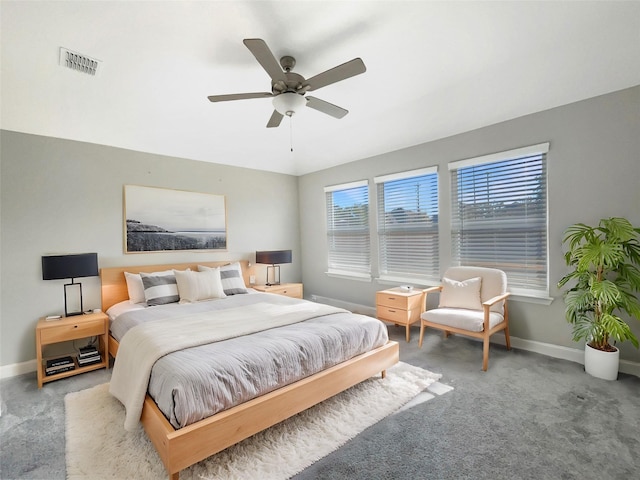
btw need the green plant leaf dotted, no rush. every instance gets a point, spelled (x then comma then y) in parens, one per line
(584, 329)
(605, 292)
(629, 276)
(618, 329)
(618, 229)
(599, 254)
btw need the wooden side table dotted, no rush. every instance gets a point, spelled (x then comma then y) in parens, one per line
(401, 307)
(293, 290)
(71, 328)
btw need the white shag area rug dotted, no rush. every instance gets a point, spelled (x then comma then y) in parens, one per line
(97, 446)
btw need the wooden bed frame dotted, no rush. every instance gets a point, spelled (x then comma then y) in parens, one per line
(181, 448)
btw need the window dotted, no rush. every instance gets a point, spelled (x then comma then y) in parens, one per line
(348, 229)
(499, 216)
(408, 225)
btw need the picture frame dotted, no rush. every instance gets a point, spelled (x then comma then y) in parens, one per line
(159, 220)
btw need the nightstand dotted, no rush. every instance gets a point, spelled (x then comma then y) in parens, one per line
(401, 307)
(293, 290)
(67, 329)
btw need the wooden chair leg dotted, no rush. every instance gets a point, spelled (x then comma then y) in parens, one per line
(446, 334)
(421, 334)
(506, 337)
(485, 353)
(408, 332)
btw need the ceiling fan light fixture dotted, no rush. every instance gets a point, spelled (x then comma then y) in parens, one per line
(288, 103)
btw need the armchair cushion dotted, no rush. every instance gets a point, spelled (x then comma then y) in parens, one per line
(471, 320)
(465, 294)
(494, 282)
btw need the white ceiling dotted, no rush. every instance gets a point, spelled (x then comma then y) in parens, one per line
(434, 69)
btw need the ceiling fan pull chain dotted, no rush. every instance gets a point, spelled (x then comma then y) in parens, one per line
(291, 132)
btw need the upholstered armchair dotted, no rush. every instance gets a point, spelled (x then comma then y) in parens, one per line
(473, 302)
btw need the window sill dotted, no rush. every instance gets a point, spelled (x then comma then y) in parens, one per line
(539, 300)
(391, 280)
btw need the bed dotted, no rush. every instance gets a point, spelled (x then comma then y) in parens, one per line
(179, 448)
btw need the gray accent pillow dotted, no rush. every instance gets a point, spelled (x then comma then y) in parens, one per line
(160, 289)
(231, 277)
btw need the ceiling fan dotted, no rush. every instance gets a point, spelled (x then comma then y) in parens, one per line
(288, 89)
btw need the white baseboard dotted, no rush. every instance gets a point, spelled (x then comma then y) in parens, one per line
(549, 349)
(14, 369)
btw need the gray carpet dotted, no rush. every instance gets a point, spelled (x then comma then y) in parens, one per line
(529, 416)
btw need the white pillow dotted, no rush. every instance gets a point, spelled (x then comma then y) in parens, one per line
(135, 287)
(231, 277)
(160, 289)
(465, 294)
(195, 286)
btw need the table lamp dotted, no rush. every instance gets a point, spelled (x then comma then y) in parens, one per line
(273, 258)
(57, 267)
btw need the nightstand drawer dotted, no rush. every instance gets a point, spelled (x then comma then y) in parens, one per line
(71, 331)
(397, 315)
(390, 300)
(294, 291)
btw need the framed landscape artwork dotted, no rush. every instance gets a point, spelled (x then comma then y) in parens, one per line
(160, 219)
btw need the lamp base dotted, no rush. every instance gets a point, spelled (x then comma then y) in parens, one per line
(275, 275)
(73, 302)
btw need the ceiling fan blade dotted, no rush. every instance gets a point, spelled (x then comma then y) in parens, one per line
(238, 96)
(341, 72)
(264, 56)
(326, 107)
(275, 119)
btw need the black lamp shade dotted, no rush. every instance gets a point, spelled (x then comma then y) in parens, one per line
(57, 267)
(273, 257)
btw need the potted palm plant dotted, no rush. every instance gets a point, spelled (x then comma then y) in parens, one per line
(604, 285)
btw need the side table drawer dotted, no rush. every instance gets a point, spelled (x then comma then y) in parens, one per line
(395, 315)
(294, 291)
(391, 300)
(72, 331)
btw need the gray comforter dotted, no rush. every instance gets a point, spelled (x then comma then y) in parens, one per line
(195, 383)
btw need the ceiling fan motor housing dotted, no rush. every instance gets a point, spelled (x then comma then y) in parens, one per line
(293, 83)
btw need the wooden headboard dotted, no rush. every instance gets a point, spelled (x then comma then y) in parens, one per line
(114, 285)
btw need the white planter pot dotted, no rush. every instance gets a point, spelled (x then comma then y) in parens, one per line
(601, 364)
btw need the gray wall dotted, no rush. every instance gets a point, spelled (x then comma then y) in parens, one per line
(593, 172)
(61, 196)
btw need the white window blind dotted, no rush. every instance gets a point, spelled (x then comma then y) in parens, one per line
(408, 224)
(349, 250)
(499, 216)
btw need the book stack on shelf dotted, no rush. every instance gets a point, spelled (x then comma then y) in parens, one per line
(88, 356)
(59, 365)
